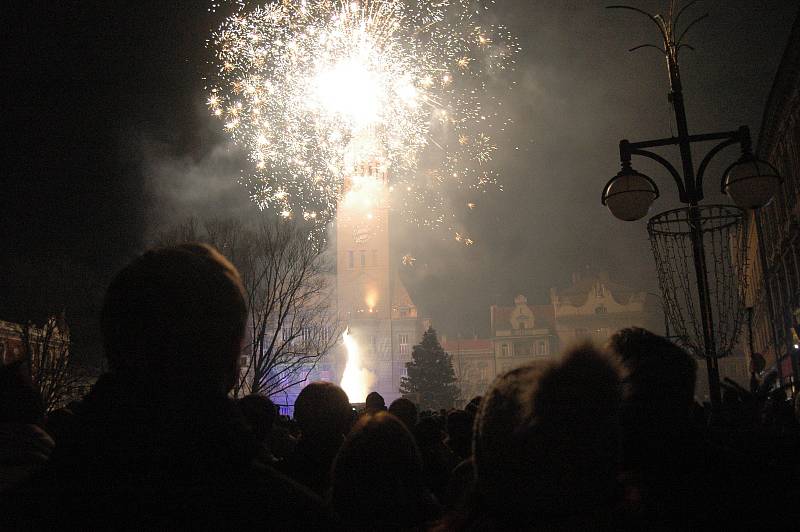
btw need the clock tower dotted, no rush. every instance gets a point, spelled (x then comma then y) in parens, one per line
(362, 246)
(371, 299)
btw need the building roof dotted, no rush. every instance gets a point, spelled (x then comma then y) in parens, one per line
(783, 95)
(400, 296)
(578, 293)
(543, 317)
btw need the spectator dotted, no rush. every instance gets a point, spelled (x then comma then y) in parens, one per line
(282, 440)
(157, 443)
(406, 411)
(797, 407)
(459, 434)
(260, 413)
(473, 406)
(546, 445)
(438, 460)
(323, 413)
(460, 484)
(374, 403)
(377, 478)
(683, 481)
(24, 445)
(60, 420)
(461, 487)
(657, 372)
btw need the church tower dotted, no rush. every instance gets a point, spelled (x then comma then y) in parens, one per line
(370, 296)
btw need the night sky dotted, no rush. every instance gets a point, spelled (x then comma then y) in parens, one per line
(108, 140)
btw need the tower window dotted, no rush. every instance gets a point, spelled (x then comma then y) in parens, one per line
(350, 259)
(403, 341)
(363, 258)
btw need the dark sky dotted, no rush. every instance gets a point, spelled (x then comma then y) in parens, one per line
(108, 138)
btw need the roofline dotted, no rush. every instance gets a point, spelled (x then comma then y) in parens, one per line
(786, 81)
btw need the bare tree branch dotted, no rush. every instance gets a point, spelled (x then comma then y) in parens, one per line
(288, 285)
(52, 370)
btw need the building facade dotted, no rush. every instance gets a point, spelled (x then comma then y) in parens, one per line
(774, 291)
(54, 335)
(474, 364)
(11, 346)
(593, 307)
(522, 334)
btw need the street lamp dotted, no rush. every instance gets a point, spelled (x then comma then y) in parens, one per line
(629, 194)
(749, 182)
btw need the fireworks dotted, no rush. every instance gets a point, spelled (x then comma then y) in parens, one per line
(316, 89)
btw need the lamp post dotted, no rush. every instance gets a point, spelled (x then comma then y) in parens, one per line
(750, 182)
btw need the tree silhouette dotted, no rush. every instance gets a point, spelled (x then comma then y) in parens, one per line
(431, 381)
(289, 290)
(46, 355)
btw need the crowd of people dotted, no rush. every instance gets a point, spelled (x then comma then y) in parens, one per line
(607, 438)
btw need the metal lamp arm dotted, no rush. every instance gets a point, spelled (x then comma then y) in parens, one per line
(645, 13)
(663, 162)
(709, 156)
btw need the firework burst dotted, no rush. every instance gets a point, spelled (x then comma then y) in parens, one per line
(317, 89)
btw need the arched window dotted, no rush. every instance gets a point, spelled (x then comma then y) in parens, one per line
(600, 290)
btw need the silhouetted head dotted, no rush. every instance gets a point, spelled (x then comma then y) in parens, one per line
(657, 372)
(260, 413)
(322, 410)
(473, 406)
(378, 477)
(375, 403)
(19, 402)
(547, 439)
(797, 407)
(406, 411)
(459, 423)
(459, 433)
(177, 315)
(429, 432)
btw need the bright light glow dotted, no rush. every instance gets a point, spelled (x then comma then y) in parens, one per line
(351, 90)
(314, 88)
(365, 193)
(371, 300)
(356, 381)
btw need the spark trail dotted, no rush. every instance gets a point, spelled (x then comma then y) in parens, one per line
(313, 89)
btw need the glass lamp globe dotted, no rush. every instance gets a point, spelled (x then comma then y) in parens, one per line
(629, 195)
(751, 183)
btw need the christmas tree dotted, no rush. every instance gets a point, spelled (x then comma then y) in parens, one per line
(431, 381)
